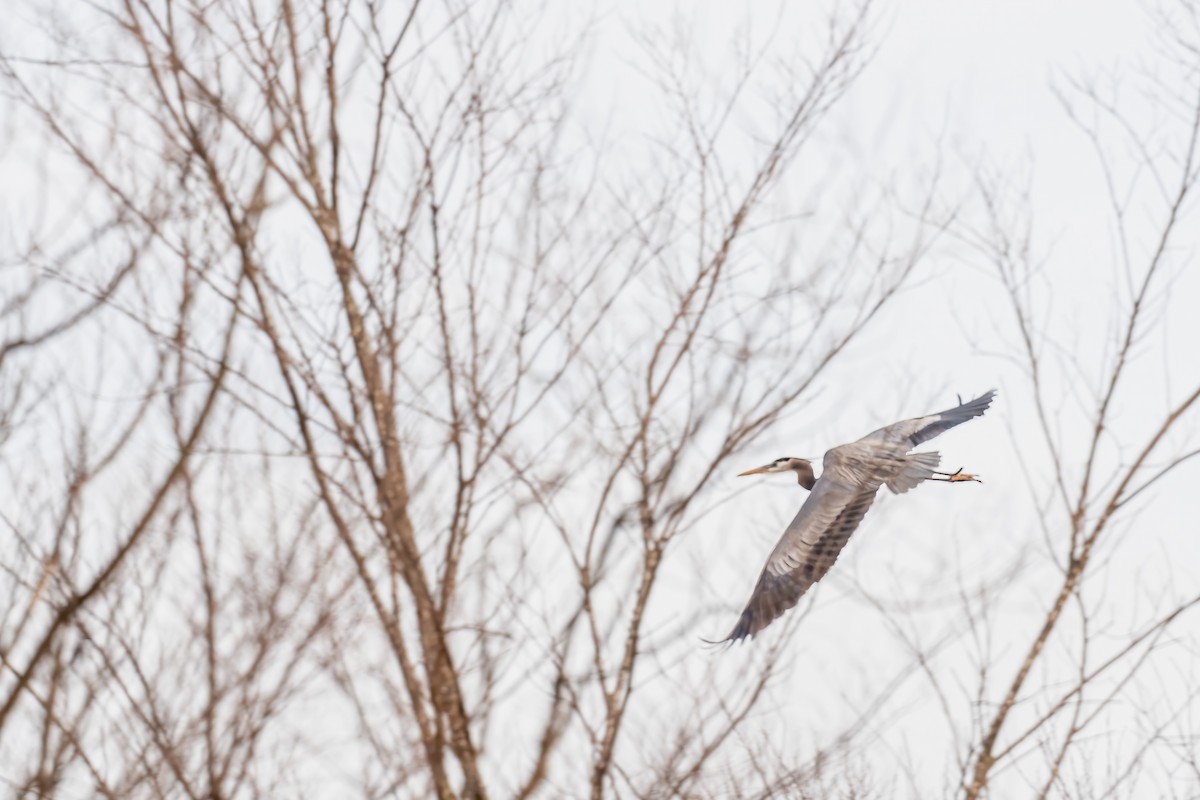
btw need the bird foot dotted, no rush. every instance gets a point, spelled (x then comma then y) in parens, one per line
(958, 476)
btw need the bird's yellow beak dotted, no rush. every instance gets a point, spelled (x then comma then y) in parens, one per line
(755, 471)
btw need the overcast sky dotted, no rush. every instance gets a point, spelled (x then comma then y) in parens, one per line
(960, 84)
(972, 83)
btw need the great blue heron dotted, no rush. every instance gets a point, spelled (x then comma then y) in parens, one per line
(838, 501)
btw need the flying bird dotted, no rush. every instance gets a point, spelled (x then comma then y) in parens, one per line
(839, 499)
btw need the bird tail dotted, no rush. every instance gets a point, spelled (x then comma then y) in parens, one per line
(918, 467)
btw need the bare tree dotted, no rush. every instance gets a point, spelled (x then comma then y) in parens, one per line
(397, 402)
(361, 411)
(1112, 434)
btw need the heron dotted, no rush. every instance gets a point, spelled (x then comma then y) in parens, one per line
(838, 500)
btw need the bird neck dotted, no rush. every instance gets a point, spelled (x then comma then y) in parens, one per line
(805, 477)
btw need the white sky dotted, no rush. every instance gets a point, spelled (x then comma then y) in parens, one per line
(979, 77)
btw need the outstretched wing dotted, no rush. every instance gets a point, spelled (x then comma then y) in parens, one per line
(809, 547)
(811, 544)
(921, 429)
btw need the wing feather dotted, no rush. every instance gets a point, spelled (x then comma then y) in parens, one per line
(807, 550)
(921, 429)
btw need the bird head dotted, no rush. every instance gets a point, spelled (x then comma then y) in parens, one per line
(801, 466)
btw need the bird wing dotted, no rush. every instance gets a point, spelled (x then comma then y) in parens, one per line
(812, 542)
(921, 429)
(837, 504)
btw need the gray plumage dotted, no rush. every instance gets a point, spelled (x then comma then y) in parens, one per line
(838, 502)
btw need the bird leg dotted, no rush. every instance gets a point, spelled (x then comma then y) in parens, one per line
(957, 476)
